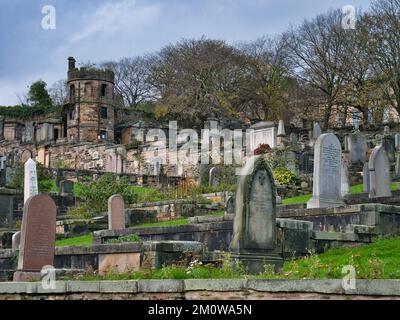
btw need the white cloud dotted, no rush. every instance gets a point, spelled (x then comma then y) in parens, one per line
(116, 17)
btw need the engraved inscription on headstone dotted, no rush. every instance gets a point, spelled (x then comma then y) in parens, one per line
(38, 234)
(254, 239)
(30, 180)
(260, 219)
(327, 173)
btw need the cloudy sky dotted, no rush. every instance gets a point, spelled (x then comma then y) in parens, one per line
(98, 30)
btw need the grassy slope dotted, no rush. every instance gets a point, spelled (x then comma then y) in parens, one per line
(303, 199)
(77, 241)
(380, 260)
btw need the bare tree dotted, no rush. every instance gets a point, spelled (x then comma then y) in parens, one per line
(265, 82)
(131, 80)
(196, 79)
(316, 49)
(59, 92)
(384, 26)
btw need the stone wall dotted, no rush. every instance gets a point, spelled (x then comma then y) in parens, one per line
(217, 290)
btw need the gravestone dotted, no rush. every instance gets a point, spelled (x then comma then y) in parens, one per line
(291, 161)
(397, 167)
(230, 206)
(38, 237)
(397, 141)
(366, 182)
(213, 179)
(67, 187)
(116, 213)
(357, 147)
(8, 176)
(30, 180)
(379, 172)
(316, 131)
(16, 240)
(281, 129)
(390, 147)
(344, 181)
(306, 163)
(254, 240)
(263, 133)
(327, 173)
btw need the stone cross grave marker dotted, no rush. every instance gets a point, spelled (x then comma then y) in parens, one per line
(116, 213)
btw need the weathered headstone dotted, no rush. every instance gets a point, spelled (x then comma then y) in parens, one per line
(38, 237)
(8, 176)
(390, 147)
(230, 205)
(397, 141)
(316, 131)
(254, 240)
(30, 180)
(357, 147)
(344, 181)
(16, 240)
(397, 168)
(116, 213)
(264, 133)
(379, 170)
(306, 163)
(366, 177)
(67, 187)
(327, 173)
(281, 129)
(214, 177)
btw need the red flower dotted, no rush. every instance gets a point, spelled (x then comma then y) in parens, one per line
(262, 149)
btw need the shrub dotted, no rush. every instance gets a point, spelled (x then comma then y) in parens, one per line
(262, 149)
(46, 183)
(95, 194)
(285, 177)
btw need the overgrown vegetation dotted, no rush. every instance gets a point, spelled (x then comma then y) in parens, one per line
(285, 177)
(95, 195)
(46, 183)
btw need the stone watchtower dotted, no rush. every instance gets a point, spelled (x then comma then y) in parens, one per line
(90, 109)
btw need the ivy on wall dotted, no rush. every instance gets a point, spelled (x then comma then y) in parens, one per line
(25, 112)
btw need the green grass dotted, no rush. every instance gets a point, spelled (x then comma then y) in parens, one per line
(379, 260)
(173, 223)
(76, 241)
(353, 190)
(297, 200)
